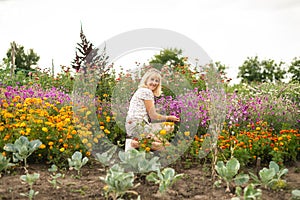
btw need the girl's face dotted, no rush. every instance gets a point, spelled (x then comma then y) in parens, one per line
(152, 82)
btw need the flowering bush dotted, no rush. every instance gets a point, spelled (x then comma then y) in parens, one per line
(256, 140)
(48, 118)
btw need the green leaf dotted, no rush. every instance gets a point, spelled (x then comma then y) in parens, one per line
(221, 169)
(241, 179)
(296, 194)
(152, 177)
(266, 175)
(282, 172)
(275, 166)
(168, 173)
(233, 167)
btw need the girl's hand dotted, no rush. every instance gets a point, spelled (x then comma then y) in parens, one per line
(173, 118)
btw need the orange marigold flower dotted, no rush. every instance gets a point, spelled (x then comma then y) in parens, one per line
(50, 143)
(42, 146)
(147, 149)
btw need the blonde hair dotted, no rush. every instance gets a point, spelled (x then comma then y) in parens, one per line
(152, 72)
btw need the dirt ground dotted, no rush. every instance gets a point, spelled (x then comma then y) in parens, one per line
(196, 184)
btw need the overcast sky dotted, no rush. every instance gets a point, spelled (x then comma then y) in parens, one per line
(228, 30)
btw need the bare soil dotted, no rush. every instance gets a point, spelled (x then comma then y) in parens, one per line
(197, 183)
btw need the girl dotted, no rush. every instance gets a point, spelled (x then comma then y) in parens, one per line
(142, 108)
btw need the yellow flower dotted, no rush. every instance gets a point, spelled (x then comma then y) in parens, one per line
(105, 188)
(281, 143)
(102, 127)
(2, 128)
(105, 95)
(108, 119)
(84, 141)
(42, 146)
(96, 140)
(28, 131)
(62, 149)
(22, 132)
(106, 131)
(74, 132)
(275, 149)
(147, 149)
(187, 133)
(23, 124)
(45, 129)
(50, 143)
(18, 105)
(257, 128)
(163, 132)
(89, 145)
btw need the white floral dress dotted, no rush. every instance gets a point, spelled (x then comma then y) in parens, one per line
(137, 120)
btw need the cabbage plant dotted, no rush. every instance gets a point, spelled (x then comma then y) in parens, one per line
(22, 149)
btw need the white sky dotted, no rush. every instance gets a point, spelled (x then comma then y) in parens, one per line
(228, 30)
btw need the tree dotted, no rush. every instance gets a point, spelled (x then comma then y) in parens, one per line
(168, 56)
(88, 56)
(294, 69)
(82, 51)
(254, 70)
(22, 60)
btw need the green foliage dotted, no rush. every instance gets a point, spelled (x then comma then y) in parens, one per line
(165, 178)
(254, 70)
(137, 161)
(294, 69)
(22, 148)
(30, 180)
(295, 194)
(4, 163)
(54, 176)
(229, 173)
(118, 182)
(106, 157)
(249, 193)
(271, 177)
(77, 161)
(23, 60)
(169, 57)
